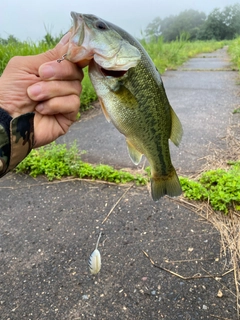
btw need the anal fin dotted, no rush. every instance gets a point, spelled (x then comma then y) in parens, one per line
(134, 154)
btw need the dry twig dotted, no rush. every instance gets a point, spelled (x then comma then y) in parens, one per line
(114, 206)
(196, 276)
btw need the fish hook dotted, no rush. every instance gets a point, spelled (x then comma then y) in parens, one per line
(61, 59)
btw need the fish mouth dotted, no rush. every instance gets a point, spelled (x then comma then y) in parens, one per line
(113, 58)
(112, 73)
(106, 72)
(78, 21)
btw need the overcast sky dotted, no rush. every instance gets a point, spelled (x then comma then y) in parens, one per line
(25, 19)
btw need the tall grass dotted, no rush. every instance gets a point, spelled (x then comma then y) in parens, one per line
(234, 51)
(173, 54)
(19, 49)
(164, 55)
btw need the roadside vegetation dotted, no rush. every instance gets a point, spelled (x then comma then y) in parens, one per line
(56, 161)
(219, 187)
(170, 55)
(234, 51)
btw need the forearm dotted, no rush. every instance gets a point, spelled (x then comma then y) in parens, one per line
(16, 139)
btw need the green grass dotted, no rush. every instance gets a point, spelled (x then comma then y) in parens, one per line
(220, 187)
(173, 54)
(56, 161)
(234, 51)
(19, 49)
(88, 94)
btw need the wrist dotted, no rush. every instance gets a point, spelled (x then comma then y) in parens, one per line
(10, 111)
(6, 105)
(16, 139)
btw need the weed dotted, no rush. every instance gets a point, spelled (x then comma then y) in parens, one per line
(220, 187)
(88, 94)
(173, 54)
(56, 161)
(193, 190)
(234, 51)
(237, 110)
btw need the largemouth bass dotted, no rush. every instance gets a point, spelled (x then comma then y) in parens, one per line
(132, 96)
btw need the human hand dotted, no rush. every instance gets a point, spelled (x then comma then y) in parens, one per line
(42, 85)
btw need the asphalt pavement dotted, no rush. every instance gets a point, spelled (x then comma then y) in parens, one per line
(49, 229)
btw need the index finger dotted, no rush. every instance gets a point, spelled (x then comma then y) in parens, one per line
(60, 71)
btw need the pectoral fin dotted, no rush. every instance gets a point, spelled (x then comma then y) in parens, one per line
(104, 110)
(123, 94)
(134, 154)
(177, 130)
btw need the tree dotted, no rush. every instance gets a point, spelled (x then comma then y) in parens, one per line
(154, 28)
(188, 22)
(11, 39)
(232, 20)
(221, 25)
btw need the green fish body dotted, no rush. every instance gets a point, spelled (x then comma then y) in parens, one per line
(136, 102)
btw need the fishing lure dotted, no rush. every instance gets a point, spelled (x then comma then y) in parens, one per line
(94, 261)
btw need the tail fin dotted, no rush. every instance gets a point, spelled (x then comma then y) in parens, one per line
(165, 185)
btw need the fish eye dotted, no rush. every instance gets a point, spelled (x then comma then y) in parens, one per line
(101, 25)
